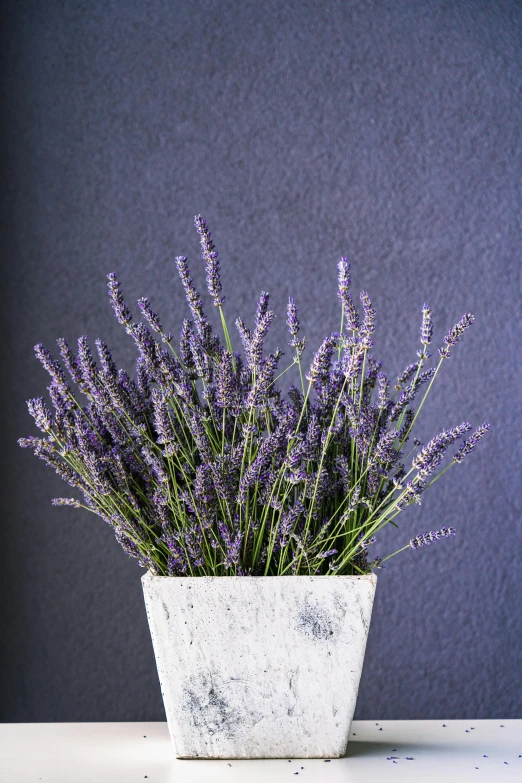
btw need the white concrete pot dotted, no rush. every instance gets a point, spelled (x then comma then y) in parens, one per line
(259, 667)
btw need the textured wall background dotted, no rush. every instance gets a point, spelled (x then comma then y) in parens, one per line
(386, 131)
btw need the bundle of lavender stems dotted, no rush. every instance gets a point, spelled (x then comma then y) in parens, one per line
(203, 467)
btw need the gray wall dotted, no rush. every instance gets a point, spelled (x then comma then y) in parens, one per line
(386, 131)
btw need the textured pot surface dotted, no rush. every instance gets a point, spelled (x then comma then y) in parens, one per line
(259, 667)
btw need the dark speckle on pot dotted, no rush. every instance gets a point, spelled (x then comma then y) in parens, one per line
(315, 622)
(209, 708)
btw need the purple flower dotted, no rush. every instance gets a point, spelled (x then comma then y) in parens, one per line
(199, 434)
(86, 364)
(292, 320)
(384, 454)
(226, 387)
(133, 394)
(185, 343)
(455, 334)
(344, 278)
(52, 366)
(293, 328)
(469, 445)
(232, 544)
(431, 455)
(192, 538)
(194, 300)
(69, 360)
(342, 464)
(368, 326)
(262, 306)
(260, 390)
(177, 561)
(329, 553)
(406, 375)
(384, 390)
(61, 401)
(118, 303)
(29, 443)
(350, 311)
(40, 413)
(200, 359)
(320, 367)
(458, 330)
(155, 464)
(245, 335)
(402, 434)
(163, 423)
(66, 502)
(425, 539)
(412, 494)
(408, 395)
(142, 381)
(45, 451)
(150, 315)
(427, 326)
(127, 544)
(255, 346)
(209, 255)
(106, 361)
(288, 522)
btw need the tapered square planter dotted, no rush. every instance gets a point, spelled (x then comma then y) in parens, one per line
(259, 667)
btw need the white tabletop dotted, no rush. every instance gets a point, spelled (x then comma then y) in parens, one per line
(421, 751)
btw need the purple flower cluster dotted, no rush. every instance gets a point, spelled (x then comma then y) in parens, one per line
(469, 445)
(293, 328)
(425, 539)
(202, 465)
(455, 334)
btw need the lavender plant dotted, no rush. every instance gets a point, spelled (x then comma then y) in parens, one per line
(202, 466)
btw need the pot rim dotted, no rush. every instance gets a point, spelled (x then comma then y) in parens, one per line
(148, 576)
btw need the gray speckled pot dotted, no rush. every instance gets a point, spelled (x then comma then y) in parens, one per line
(259, 667)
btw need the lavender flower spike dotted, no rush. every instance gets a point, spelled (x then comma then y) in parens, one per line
(66, 502)
(406, 375)
(329, 553)
(193, 298)
(469, 445)
(262, 305)
(455, 334)
(255, 349)
(458, 330)
(368, 326)
(384, 389)
(293, 328)
(40, 413)
(226, 386)
(320, 366)
(52, 366)
(427, 325)
(69, 359)
(150, 315)
(432, 454)
(209, 254)
(105, 358)
(350, 311)
(344, 277)
(425, 539)
(121, 311)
